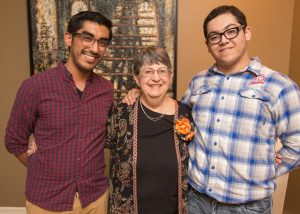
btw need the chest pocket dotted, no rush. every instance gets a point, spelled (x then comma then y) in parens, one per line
(201, 100)
(202, 90)
(251, 93)
(256, 101)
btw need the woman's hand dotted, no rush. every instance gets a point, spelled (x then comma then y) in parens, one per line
(277, 159)
(32, 147)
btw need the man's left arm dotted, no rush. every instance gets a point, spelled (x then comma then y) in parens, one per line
(288, 128)
(22, 121)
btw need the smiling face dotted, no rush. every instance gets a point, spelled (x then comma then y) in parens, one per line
(230, 54)
(154, 86)
(81, 58)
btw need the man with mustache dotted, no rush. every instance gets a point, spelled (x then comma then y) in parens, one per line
(66, 109)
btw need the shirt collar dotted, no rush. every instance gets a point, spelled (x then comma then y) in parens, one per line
(68, 76)
(254, 67)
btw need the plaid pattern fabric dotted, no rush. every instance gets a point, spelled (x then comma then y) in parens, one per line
(238, 119)
(70, 135)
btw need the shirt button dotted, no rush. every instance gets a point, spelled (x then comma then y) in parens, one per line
(253, 95)
(213, 167)
(222, 97)
(78, 159)
(215, 143)
(227, 78)
(209, 189)
(218, 120)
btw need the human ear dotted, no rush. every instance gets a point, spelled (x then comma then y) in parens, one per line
(136, 79)
(248, 33)
(68, 39)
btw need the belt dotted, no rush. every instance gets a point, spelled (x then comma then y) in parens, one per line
(213, 200)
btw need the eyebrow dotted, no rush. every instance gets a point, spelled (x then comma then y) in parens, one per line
(90, 34)
(226, 28)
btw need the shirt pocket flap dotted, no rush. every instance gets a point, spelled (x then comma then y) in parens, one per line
(203, 89)
(251, 93)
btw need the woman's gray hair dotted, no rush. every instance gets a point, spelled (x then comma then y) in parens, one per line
(151, 55)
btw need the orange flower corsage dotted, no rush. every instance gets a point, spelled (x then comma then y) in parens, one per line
(184, 128)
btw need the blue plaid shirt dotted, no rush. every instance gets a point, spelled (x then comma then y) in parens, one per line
(238, 119)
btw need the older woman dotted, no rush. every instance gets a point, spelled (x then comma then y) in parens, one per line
(148, 143)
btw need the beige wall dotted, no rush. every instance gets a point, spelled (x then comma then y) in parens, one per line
(265, 17)
(292, 205)
(295, 47)
(14, 62)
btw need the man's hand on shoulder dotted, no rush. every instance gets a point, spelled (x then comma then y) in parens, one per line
(131, 96)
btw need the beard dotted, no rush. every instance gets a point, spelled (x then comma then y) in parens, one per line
(82, 68)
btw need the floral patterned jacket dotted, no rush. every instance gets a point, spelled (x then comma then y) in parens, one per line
(122, 142)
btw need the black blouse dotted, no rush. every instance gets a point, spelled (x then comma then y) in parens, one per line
(157, 168)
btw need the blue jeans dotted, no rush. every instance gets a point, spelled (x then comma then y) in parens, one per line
(199, 203)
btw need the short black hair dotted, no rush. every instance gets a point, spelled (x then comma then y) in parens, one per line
(76, 22)
(237, 13)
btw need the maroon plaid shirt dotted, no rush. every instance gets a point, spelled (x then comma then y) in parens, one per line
(70, 135)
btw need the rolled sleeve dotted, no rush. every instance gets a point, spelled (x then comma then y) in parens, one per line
(22, 119)
(288, 128)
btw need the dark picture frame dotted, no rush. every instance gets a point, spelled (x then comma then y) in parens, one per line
(136, 24)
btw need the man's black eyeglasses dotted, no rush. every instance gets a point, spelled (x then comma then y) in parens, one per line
(231, 33)
(89, 40)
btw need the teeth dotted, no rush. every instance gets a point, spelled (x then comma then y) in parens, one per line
(225, 49)
(89, 56)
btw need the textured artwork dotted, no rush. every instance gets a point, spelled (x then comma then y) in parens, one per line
(136, 23)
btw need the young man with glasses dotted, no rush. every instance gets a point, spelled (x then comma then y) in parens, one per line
(66, 109)
(240, 108)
